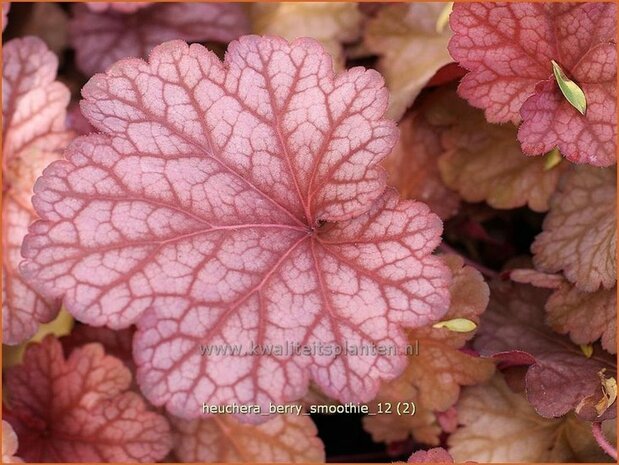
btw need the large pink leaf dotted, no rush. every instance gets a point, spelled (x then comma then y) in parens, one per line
(237, 204)
(101, 38)
(78, 410)
(508, 48)
(34, 133)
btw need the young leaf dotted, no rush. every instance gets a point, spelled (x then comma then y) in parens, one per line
(585, 316)
(560, 377)
(458, 325)
(412, 166)
(498, 425)
(435, 455)
(570, 89)
(405, 36)
(34, 133)
(484, 162)
(331, 23)
(579, 234)
(433, 376)
(221, 439)
(102, 38)
(9, 444)
(78, 409)
(257, 217)
(508, 50)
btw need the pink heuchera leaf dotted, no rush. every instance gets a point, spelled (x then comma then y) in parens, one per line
(9, 444)
(102, 38)
(78, 410)
(34, 133)
(508, 49)
(434, 455)
(239, 204)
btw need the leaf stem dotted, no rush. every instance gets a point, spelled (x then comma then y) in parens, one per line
(446, 248)
(596, 429)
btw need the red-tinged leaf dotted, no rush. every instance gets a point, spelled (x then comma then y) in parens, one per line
(120, 7)
(116, 343)
(550, 121)
(508, 49)
(102, 38)
(413, 166)
(561, 378)
(585, 316)
(34, 133)
(77, 409)
(435, 455)
(256, 217)
(6, 6)
(9, 444)
(221, 439)
(580, 230)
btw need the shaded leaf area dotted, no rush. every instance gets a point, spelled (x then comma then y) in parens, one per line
(560, 378)
(499, 425)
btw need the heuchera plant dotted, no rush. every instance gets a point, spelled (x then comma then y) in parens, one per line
(202, 227)
(238, 203)
(79, 408)
(509, 49)
(33, 135)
